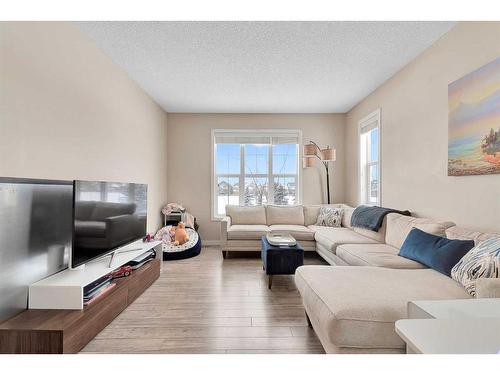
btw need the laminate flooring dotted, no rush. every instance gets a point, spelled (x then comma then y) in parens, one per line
(208, 304)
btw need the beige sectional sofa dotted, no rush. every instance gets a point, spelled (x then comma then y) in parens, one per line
(354, 305)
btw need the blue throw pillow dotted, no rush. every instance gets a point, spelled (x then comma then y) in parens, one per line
(436, 252)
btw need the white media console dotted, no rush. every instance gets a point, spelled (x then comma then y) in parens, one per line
(64, 290)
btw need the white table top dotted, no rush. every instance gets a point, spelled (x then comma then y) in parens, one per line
(96, 268)
(461, 308)
(451, 336)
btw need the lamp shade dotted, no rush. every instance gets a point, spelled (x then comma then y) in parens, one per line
(307, 162)
(328, 154)
(310, 150)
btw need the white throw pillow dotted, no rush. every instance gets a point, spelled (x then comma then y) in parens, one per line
(483, 261)
(330, 217)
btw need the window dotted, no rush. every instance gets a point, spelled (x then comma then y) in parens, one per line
(369, 159)
(254, 167)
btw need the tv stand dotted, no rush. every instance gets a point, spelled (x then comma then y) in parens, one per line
(64, 290)
(68, 329)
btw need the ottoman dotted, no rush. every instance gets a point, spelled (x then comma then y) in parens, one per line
(280, 260)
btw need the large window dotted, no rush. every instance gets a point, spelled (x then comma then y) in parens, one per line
(255, 167)
(369, 159)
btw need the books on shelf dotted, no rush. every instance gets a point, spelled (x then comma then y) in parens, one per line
(99, 293)
(88, 289)
(105, 283)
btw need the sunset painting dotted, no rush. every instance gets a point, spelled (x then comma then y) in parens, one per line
(474, 122)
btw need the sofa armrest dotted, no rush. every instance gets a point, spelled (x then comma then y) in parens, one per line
(225, 223)
(488, 288)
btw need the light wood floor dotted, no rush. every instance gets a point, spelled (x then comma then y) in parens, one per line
(210, 305)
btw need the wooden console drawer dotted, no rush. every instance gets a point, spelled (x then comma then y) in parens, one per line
(95, 318)
(38, 331)
(142, 278)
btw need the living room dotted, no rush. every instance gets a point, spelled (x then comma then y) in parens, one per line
(212, 180)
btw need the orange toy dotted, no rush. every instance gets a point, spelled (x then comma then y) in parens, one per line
(181, 236)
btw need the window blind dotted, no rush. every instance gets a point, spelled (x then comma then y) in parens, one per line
(256, 139)
(369, 124)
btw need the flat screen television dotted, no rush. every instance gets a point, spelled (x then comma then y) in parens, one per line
(35, 236)
(106, 216)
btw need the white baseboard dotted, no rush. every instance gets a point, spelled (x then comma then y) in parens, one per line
(211, 242)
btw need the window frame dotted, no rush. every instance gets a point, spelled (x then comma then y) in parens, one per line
(242, 175)
(364, 165)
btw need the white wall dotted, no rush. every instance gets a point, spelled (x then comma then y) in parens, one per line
(414, 133)
(68, 112)
(189, 156)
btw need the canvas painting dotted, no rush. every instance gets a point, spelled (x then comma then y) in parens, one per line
(474, 122)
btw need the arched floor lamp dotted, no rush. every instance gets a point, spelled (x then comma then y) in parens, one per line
(326, 155)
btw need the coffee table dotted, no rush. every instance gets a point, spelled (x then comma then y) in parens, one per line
(460, 326)
(280, 260)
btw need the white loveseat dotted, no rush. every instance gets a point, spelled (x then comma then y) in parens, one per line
(354, 305)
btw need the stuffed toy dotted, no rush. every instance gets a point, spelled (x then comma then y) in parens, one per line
(181, 236)
(166, 234)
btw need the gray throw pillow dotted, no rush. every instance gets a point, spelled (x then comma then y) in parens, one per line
(330, 217)
(483, 261)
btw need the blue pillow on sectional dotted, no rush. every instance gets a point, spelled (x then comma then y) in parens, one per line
(436, 252)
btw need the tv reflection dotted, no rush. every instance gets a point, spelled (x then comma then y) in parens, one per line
(101, 225)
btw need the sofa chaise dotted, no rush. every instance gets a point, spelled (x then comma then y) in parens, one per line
(354, 305)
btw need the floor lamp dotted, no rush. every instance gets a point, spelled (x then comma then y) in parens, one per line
(326, 155)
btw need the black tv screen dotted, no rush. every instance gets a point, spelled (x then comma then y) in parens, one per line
(35, 236)
(107, 215)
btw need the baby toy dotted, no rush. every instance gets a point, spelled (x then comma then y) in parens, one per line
(165, 234)
(181, 236)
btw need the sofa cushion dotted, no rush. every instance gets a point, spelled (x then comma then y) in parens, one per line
(460, 233)
(346, 215)
(398, 227)
(254, 245)
(330, 237)
(376, 255)
(377, 236)
(285, 215)
(299, 232)
(246, 215)
(371, 217)
(436, 252)
(311, 212)
(487, 287)
(247, 232)
(357, 306)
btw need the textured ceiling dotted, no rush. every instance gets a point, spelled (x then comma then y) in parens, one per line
(266, 67)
